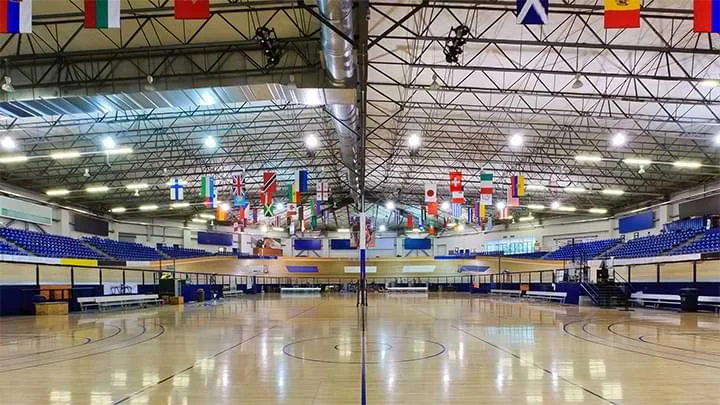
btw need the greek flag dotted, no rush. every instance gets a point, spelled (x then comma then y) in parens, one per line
(532, 12)
(457, 210)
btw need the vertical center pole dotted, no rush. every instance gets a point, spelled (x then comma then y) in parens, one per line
(363, 247)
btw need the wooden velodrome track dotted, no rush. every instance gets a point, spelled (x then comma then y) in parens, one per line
(441, 349)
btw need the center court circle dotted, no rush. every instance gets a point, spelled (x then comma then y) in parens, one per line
(378, 349)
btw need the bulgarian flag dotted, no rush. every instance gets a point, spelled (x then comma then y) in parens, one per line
(102, 13)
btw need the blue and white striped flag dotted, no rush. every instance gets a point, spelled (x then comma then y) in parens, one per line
(532, 12)
(457, 210)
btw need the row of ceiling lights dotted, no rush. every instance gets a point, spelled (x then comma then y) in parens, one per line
(555, 206)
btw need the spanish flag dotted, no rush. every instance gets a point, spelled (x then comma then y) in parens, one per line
(622, 14)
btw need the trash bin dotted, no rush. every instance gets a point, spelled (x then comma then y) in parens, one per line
(689, 299)
(200, 295)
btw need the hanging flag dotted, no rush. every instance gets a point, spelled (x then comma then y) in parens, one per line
(504, 213)
(517, 186)
(512, 201)
(430, 193)
(102, 13)
(469, 217)
(176, 189)
(532, 12)
(293, 194)
(622, 14)
(301, 181)
(269, 182)
(456, 210)
(266, 198)
(192, 9)
(268, 210)
(423, 217)
(323, 191)
(301, 213)
(456, 181)
(220, 213)
(432, 208)
(15, 16)
(409, 221)
(706, 16)
(317, 209)
(207, 191)
(483, 214)
(239, 191)
(254, 216)
(313, 222)
(242, 215)
(291, 210)
(486, 188)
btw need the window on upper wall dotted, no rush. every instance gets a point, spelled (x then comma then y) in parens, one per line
(512, 246)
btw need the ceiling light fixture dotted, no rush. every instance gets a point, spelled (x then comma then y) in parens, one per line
(610, 191)
(7, 85)
(119, 151)
(390, 205)
(180, 205)
(535, 187)
(8, 143)
(574, 189)
(637, 161)
(149, 207)
(414, 141)
(97, 189)
(118, 210)
(149, 86)
(210, 142)
(108, 143)
(577, 84)
(598, 211)
(71, 154)
(555, 205)
(588, 158)
(435, 85)
(709, 83)
(311, 141)
(566, 208)
(536, 207)
(57, 192)
(685, 164)
(137, 186)
(619, 139)
(516, 140)
(13, 159)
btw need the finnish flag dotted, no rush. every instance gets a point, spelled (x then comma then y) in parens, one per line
(532, 12)
(176, 189)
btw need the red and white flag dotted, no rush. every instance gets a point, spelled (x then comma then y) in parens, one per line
(192, 9)
(430, 193)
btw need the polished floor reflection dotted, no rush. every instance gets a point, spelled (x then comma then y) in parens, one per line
(441, 349)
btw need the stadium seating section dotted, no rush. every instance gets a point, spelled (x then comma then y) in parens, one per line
(709, 242)
(47, 245)
(124, 250)
(7, 249)
(583, 250)
(183, 253)
(653, 245)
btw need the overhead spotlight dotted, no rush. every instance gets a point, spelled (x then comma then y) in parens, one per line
(7, 85)
(390, 205)
(500, 205)
(642, 170)
(382, 228)
(149, 85)
(280, 206)
(108, 143)
(87, 172)
(574, 189)
(516, 140)
(555, 205)
(8, 143)
(311, 141)
(709, 83)
(454, 43)
(619, 139)
(414, 141)
(577, 84)
(445, 206)
(210, 142)
(118, 210)
(588, 158)
(269, 44)
(435, 85)
(137, 193)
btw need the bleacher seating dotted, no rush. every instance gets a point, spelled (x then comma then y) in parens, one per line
(124, 250)
(47, 245)
(653, 245)
(7, 249)
(183, 253)
(490, 253)
(531, 255)
(710, 242)
(687, 224)
(583, 250)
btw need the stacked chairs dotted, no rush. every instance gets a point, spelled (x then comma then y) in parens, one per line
(183, 253)
(46, 245)
(710, 242)
(587, 250)
(654, 245)
(124, 250)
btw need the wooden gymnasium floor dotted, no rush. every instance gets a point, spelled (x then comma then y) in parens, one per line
(449, 349)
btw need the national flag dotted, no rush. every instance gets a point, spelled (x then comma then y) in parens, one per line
(301, 181)
(423, 217)
(469, 218)
(242, 215)
(483, 214)
(456, 182)
(269, 183)
(313, 222)
(622, 14)
(192, 9)
(512, 201)
(268, 210)
(456, 210)
(323, 191)
(432, 208)
(266, 198)
(293, 194)
(15, 16)
(409, 221)
(291, 210)
(458, 197)
(291, 229)
(317, 209)
(254, 216)
(176, 189)
(238, 184)
(486, 188)
(102, 13)
(220, 213)
(504, 213)
(430, 193)
(207, 191)
(532, 12)
(517, 184)
(478, 212)
(706, 15)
